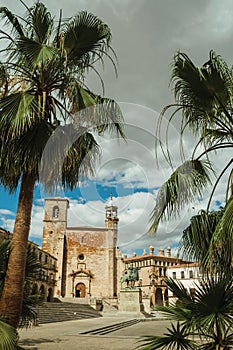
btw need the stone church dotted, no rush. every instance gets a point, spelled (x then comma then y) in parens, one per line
(88, 261)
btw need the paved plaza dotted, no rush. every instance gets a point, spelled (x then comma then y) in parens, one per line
(66, 335)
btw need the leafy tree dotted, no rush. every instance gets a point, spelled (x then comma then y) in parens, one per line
(43, 95)
(204, 106)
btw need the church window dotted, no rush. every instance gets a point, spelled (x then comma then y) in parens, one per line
(182, 274)
(82, 239)
(191, 274)
(55, 212)
(81, 256)
(174, 275)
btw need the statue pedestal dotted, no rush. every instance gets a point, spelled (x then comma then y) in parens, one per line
(131, 302)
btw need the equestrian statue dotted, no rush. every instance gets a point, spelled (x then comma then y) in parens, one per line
(130, 276)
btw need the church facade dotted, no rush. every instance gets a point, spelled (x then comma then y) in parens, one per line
(89, 263)
(87, 257)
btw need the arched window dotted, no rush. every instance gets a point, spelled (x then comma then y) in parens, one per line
(55, 212)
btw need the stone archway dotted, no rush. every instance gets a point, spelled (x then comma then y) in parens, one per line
(80, 290)
(35, 289)
(158, 296)
(50, 295)
(42, 291)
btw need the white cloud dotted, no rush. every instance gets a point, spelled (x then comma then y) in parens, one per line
(145, 36)
(6, 212)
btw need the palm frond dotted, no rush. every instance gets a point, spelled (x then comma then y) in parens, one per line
(12, 19)
(17, 111)
(8, 336)
(196, 238)
(39, 23)
(222, 238)
(204, 91)
(68, 157)
(188, 181)
(37, 53)
(29, 314)
(213, 310)
(177, 337)
(85, 36)
(4, 254)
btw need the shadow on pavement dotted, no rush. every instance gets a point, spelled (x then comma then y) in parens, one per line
(33, 342)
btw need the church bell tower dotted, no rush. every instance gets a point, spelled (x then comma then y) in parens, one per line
(111, 215)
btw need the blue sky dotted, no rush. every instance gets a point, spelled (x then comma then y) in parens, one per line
(146, 34)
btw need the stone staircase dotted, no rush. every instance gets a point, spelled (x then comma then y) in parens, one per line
(59, 312)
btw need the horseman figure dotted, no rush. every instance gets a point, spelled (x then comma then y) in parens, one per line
(130, 276)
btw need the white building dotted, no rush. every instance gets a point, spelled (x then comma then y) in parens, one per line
(188, 274)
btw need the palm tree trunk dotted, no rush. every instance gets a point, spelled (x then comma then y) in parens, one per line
(12, 295)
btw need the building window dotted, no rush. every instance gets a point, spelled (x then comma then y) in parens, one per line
(191, 274)
(174, 275)
(182, 274)
(55, 212)
(82, 239)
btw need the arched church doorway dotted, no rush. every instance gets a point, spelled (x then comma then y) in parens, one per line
(80, 290)
(159, 296)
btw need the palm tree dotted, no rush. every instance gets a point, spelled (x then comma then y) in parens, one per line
(205, 317)
(204, 106)
(8, 339)
(43, 90)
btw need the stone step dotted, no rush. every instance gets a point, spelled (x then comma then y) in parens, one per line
(59, 312)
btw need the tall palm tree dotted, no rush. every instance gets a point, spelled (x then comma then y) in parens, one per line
(204, 107)
(43, 90)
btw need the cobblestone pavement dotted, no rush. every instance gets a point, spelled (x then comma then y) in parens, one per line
(66, 335)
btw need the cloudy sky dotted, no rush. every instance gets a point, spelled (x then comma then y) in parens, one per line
(146, 34)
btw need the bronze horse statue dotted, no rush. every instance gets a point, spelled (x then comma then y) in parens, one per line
(130, 276)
